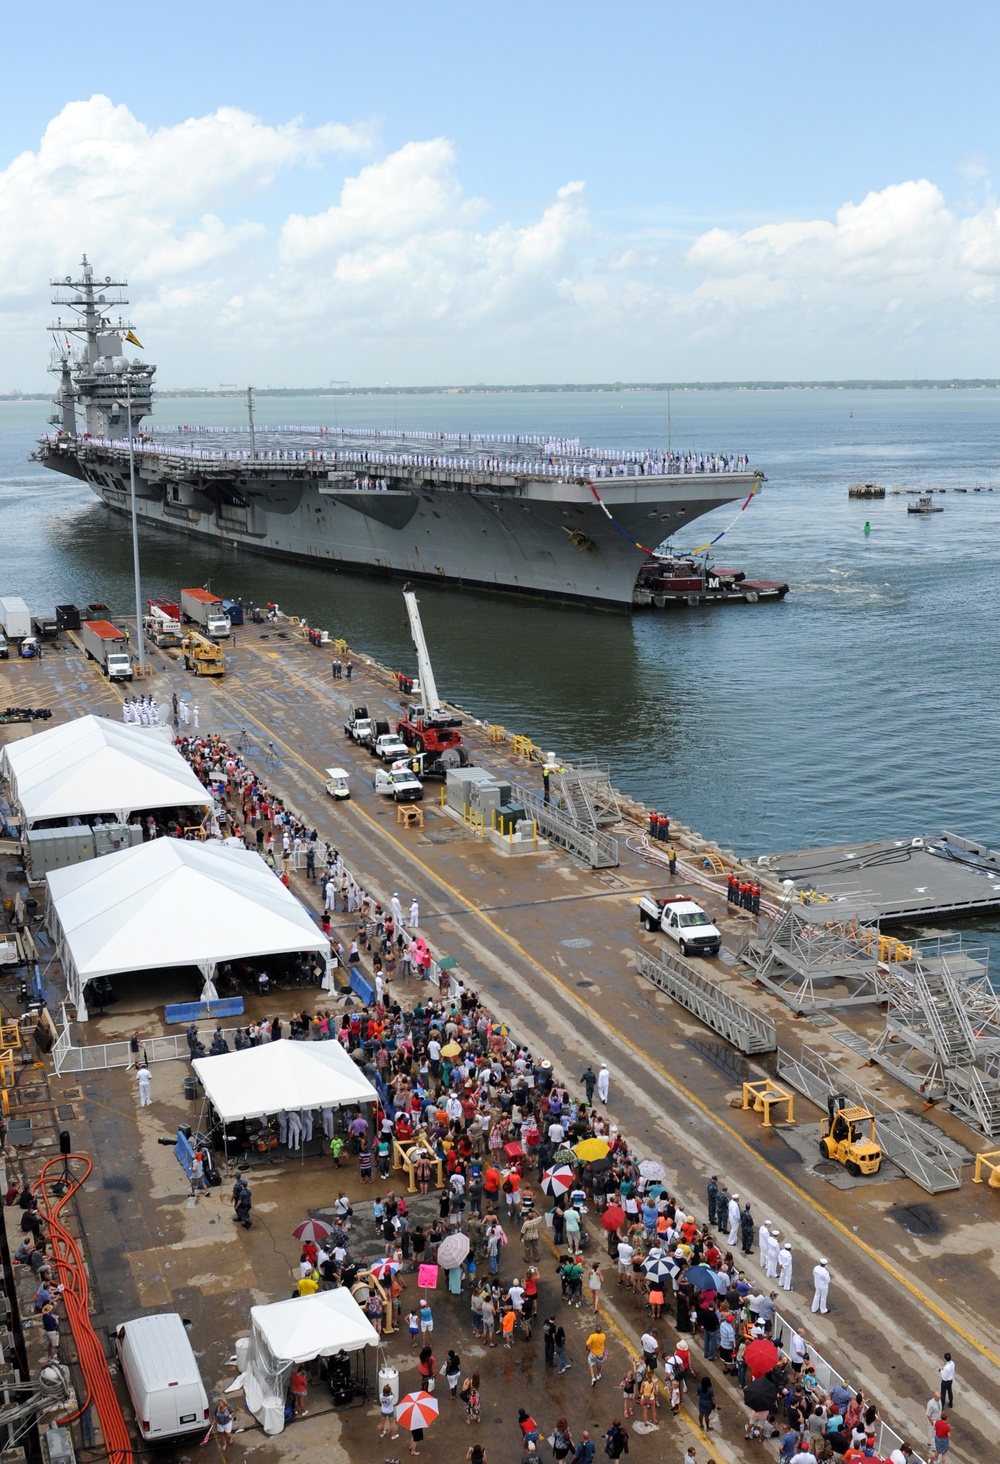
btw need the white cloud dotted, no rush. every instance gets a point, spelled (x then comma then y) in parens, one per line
(392, 271)
(102, 182)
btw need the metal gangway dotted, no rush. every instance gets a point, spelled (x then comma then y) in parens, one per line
(709, 1002)
(921, 1150)
(586, 843)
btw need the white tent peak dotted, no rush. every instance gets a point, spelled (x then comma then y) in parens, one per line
(92, 766)
(171, 902)
(280, 1075)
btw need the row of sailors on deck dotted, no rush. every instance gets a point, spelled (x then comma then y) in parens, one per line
(144, 710)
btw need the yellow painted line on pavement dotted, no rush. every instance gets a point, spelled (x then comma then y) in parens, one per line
(662, 1072)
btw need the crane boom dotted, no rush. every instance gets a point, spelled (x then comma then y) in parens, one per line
(428, 686)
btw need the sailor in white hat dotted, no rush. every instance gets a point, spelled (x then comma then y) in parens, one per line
(821, 1285)
(734, 1219)
(785, 1267)
(773, 1249)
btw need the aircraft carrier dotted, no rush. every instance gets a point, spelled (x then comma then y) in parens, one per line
(526, 515)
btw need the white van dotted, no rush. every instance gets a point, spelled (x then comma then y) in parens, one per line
(162, 1377)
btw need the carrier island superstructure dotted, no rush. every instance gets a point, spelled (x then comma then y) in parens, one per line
(521, 514)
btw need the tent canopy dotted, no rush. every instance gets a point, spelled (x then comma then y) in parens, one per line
(282, 1075)
(171, 902)
(296, 1331)
(94, 766)
(305, 1327)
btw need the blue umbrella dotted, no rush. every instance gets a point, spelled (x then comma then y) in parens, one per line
(704, 1279)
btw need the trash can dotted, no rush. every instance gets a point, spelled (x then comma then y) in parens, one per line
(242, 1353)
(389, 1375)
(191, 1086)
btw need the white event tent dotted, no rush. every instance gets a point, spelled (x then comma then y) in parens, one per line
(296, 1331)
(171, 902)
(292, 1076)
(95, 766)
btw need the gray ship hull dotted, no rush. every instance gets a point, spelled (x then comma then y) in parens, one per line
(550, 540)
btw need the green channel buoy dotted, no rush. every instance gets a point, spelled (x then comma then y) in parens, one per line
(868, 527)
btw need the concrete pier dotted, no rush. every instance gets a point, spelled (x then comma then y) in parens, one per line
(550, 944)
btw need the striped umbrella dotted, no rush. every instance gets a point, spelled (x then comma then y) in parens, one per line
(314, 1230)
(657, 1268)
(417, 1410)
(383, 1268)
(558, 1180)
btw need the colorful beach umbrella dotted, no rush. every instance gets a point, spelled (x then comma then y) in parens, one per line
(312, 1230)
(417, 1410)
(652, 1169)
(558, 1180)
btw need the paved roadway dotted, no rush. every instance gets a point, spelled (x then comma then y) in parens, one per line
(550, 944)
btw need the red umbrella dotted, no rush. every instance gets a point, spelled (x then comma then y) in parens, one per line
(760, 1357)
(613, 1216)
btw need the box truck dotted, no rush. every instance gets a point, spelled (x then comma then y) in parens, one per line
(205, 609)
(105, 644)
(15, 618)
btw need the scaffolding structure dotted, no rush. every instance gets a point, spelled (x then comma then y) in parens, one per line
(942, 1033)
(827, 955)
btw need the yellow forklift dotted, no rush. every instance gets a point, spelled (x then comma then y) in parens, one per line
(844, 1137)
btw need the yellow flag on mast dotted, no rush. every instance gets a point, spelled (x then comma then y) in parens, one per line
(135, 340)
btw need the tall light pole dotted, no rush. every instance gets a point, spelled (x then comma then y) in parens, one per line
(140, 637)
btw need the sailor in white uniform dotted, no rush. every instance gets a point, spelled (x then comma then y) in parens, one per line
(785, 1267)
(734, 1219)
(821, 1285)
(773, 1250)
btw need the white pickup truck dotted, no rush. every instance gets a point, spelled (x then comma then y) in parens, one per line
(399, 783)
(684, 921)
(360, 728)
(389, 747)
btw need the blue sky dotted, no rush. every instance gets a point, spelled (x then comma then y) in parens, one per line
(767, 191)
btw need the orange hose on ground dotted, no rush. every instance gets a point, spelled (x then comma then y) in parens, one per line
(76, 1295)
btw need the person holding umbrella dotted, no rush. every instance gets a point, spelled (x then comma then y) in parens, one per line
(416, 1411)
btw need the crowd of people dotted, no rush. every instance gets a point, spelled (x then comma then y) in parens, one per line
(452, 1082)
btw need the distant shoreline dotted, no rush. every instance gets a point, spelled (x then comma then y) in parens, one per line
(613, 388)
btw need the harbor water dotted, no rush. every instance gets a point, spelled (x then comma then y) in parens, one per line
(864, 705)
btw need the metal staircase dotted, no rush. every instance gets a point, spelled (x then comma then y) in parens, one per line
(586, 796)
(942, 1034)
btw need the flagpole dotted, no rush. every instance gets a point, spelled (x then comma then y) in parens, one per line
(140, 636)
